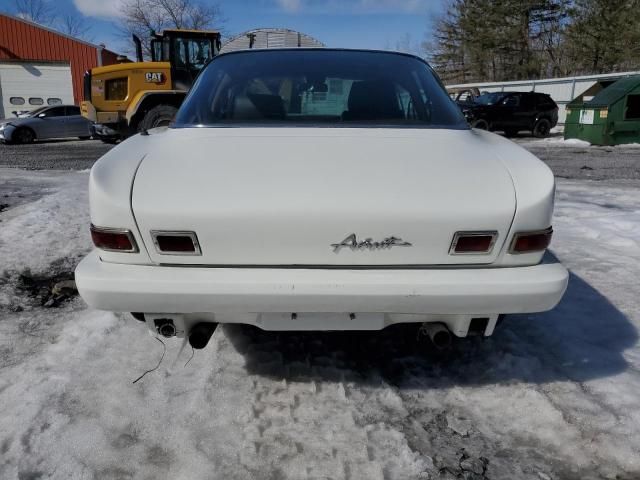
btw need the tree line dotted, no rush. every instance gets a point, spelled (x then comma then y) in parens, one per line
(472, 40)
(487, 40)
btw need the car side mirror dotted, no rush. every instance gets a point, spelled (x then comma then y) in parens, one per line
(42, 115)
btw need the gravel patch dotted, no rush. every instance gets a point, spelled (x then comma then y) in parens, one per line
(53, 155)
(586, 162)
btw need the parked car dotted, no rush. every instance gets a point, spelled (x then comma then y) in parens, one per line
(320, 189)
(512, 112)
(57, 121)
(463, 95)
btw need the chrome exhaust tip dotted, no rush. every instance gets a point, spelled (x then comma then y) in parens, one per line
(165, 327)
(438, 333)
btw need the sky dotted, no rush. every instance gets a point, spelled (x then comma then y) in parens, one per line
(384, 24)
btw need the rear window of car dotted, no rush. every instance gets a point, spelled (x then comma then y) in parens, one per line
(490, 98)
(319, 87)
(545, 101)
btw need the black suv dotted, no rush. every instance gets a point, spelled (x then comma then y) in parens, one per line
(511, 112)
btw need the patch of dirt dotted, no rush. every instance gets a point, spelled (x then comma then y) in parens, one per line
(48, 291)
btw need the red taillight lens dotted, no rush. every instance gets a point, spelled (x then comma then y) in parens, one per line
(168, 243)
(473, 242)
(113, 239)
(176, 243)
(531, 241)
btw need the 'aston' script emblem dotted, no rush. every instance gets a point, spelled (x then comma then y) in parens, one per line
(367, 244)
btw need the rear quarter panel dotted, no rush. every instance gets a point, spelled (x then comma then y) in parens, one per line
(110, 185)
(534, 186)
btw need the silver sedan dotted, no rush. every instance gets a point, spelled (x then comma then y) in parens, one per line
(57, 121)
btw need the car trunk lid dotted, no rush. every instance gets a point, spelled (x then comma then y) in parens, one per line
(322, 197)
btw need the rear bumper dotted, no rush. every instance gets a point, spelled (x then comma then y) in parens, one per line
(221, 291)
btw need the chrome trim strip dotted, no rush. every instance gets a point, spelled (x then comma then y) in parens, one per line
(522, 234)
(457, 235)
(174, 233)
(125, 231)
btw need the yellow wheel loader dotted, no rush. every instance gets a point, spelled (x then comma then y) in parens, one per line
(126, 98)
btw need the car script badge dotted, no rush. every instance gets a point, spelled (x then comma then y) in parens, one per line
(368, 244)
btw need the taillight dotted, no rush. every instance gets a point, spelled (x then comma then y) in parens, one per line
(113, 239)
(473, 243)
(526, 242)
(176, 243)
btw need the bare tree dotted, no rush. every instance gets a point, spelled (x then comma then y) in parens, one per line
(38, 11)
(141, 17)
(74, 26)
(406, 45)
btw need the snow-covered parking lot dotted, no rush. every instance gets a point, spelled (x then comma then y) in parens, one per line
(549, 396)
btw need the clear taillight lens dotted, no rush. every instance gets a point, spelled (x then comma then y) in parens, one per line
(113, 239)
(526, 242)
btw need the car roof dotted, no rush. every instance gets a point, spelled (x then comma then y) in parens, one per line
(317, 49)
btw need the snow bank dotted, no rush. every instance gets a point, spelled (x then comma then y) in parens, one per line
(560, 141)
(53, 227)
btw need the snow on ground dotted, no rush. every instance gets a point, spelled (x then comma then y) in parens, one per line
(569, 142)
(556, 140)
(49, 227)
(552, 395)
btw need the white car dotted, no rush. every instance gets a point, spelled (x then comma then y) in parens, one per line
(320, 189)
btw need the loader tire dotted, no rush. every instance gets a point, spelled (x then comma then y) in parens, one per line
(158, 116)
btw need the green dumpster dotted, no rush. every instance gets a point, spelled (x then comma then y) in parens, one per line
(611, 117)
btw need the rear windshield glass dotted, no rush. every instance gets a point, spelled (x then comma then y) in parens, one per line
(319, 87)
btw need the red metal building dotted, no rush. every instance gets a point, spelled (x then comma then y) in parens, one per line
(24, 41)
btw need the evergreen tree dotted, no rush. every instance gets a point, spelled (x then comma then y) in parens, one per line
(485, 40)
(604, 35)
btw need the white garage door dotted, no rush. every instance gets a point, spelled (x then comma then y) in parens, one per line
(25, 86)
